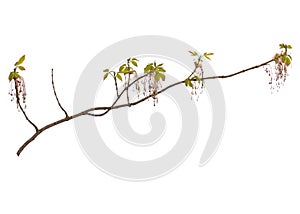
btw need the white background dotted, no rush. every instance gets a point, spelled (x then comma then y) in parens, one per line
(256, 167)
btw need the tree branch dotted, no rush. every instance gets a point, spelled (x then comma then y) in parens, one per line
(114, 106)
(56, 95)
(242, 71)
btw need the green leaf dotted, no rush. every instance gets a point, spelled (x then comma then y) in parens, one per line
(193, 53)
(11, 76)
(154, 64)
(124, 70)
(197, 78)
(289, 47)
(106, 70)
(207, 55)
(134, 63)
(105, 76)
(134, 59)
(161, 69)
(17, 75)
(21, 68)
(188, 83)
(157, 77)
(119, 77)
(149, 67)
(20, 61)
(281, 46)
(287, 60)
(127, 69)
(122, 67)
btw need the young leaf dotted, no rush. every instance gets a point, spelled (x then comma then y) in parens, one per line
(105, 76)
(149, 67)
(157, 77)
(188, 82)
(193, 53)
(281, 46)
(161, 69)
(119, 77)
(207, 55)
(20, 61)
(134, 63)
(197, 78)
(122, 67)
(124, 70)
(11, 76)
(106, 70)
(21, 68)
(287, 60)
(17, 75)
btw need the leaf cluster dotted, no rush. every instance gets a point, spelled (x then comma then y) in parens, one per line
(189, 81)
(207, 55)
(284, 56)
(18, 66)
(195, 76)
(157, 70)
(126, 68)
(112, 73)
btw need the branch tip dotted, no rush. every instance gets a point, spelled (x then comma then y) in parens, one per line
(53, 87)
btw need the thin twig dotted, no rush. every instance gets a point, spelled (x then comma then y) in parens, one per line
(242, 71)
(113, 106)
(116, 86)
(127, 90)
(20, 106)
(196, 66)
(56, 95)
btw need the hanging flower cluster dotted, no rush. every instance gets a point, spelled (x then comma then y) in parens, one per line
(195, 80)
(152, 82)
(17, 83)
(279, 73)
(148, 86)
